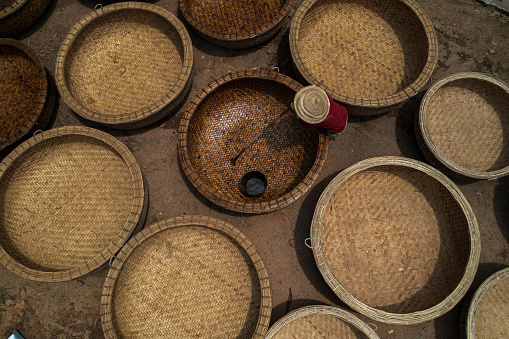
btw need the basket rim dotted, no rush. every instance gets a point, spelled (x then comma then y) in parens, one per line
(183, 221)
(243, 36)
(396, 318)
(131, 222)
(490, 175)
(139, 115)
(377, 102)
(14, 6)
(211, 194)
(43, 86)
(325, 310)
(492, 280)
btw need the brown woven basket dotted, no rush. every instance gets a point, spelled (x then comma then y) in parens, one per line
(463, 126)
(321, 322)
(17, 15)
(125, 65)
(236, 24)
(370, 54)
(23, 90)
(187, 277)
(396, 240)
(70, 198)
(489, 310)
(221, 120)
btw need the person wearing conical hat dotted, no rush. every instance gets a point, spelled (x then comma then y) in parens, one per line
(315, 108)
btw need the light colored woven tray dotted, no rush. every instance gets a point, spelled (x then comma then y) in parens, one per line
(370, 54)
(125, 65)
(396, 240)
(236, 24)
(220, 121)
(321, 322)
(489, 309)
(187, 277)
(18, 15)
(463, 126)
(70, 198)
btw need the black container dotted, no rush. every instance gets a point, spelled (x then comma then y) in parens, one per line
(253, 184)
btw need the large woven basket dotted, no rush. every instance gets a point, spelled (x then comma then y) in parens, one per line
(489, 310)
(369, 54)
(224, 117)
(187, 277)
(125, 65)
(17, 15)
(396, 240)
(236, 24)
(320, 322)
(70, 198)
(463, 126)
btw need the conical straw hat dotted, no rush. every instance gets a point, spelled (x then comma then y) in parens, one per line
(312, 104)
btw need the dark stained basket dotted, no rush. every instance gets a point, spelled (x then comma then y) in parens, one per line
(236, 24)
(463, 126)
(187, 277)
(125, 65)
(70, 199)
(396, 240)
(370, 54)
(17, 15)
(221, 120)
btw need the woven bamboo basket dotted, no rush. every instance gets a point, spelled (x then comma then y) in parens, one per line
(70, 198)
(463, 126)
(236, 24)
(187, 277)
(221, 120)
(488, 312)
(320, 322)
(369, 54)
(17, 15)
(125, 65)
(396, 240)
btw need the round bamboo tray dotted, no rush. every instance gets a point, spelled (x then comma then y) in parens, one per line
(490, 308)
(396, 240)
(463, 126)
(125, 65)
(320, 322)
(236, 24)
(17, 15)
(23, 90)
(369, 54)
(187, 277)
(70, 198)
(224, 117)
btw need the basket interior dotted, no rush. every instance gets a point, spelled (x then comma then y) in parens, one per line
(363, 48)
(494, 306)
(187, 282)
(63, 201)
(127, 53)
(395, 239)
(319, 326)
(20, 92)
(229, 118)
(468, 122)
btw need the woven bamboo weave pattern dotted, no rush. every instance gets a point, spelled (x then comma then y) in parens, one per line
(17, 16)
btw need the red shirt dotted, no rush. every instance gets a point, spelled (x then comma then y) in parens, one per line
(335, 121)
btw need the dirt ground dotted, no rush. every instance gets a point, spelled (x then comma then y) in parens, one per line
(472, 37)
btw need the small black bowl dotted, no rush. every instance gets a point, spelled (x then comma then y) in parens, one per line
(253, 184)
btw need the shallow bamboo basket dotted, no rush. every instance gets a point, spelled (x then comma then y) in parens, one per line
(490, 308)
(236, 24)
(321, 322)
(224, 117)
(125, 65)
(396, 240)
(187, 277)
(463, 126)
(70, 198)
(17, 15)
(370, 54)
